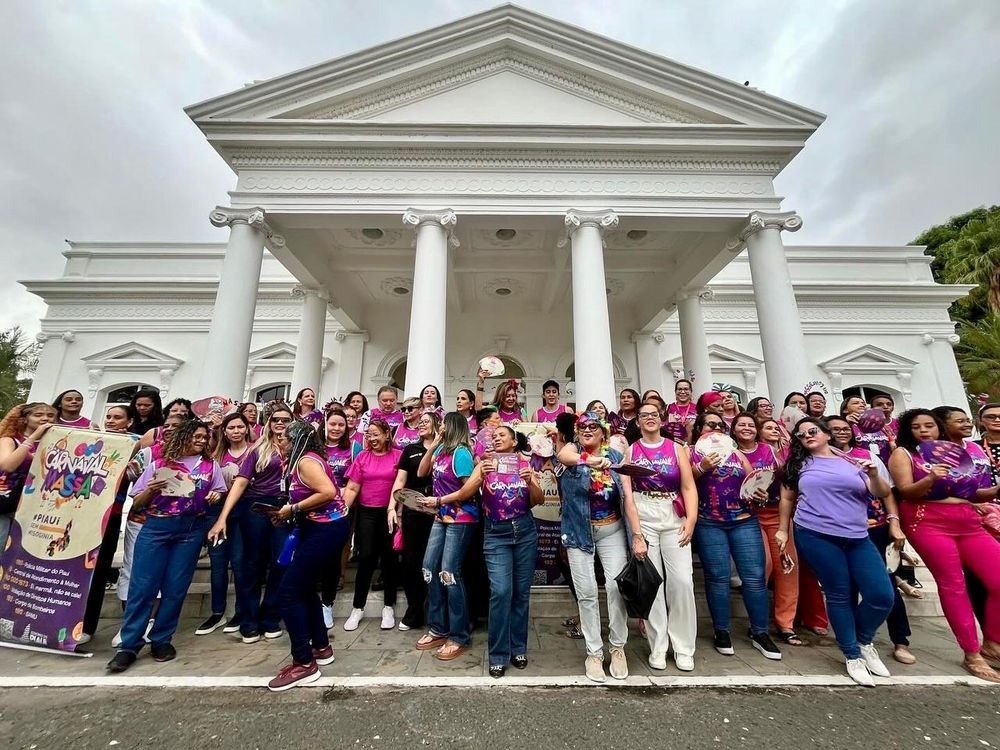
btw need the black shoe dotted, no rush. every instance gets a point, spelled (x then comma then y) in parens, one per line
(497, 671)
(163, 652)
(233, 626)
(378, 584)
(519, 662)
(210, 625)
(763, 643)
(121, 661)
(723, 643)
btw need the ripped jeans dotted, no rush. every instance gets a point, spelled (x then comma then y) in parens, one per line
(447, 609)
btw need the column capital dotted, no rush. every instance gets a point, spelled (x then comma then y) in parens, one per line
(444, 218)
(343, 336)
(575, 219)
(255, 218)
(654, 336)
(301, 292)
(701, 293)
(761, 220)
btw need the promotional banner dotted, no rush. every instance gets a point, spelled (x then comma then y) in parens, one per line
(548, 514)
(48, 563)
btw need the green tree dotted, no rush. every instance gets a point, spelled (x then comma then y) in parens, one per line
(18, 358)
(978, 355)
(966, 250)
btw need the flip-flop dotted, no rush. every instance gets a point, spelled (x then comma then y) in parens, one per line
(430, 641)
(790, 637)
(457, 650)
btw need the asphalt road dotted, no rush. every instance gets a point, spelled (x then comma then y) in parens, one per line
(522, 718)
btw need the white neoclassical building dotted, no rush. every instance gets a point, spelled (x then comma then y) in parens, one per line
(503, 184)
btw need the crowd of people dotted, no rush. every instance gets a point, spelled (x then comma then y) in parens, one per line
(815, 513)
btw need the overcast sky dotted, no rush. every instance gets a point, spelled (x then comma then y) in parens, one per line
(94, 144)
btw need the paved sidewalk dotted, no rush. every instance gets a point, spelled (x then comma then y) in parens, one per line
(370, 656)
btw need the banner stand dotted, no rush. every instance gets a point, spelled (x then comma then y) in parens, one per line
(42, 650)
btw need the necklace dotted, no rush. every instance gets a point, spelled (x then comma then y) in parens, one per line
(749, 450)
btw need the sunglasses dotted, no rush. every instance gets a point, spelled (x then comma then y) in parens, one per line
(280, 420)
(812, 432)
(590, 427)
(717, 426)
(410, 408)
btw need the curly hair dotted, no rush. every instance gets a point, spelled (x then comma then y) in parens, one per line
(799, 453)
(179, 444)
(905, 438)
(15, 421)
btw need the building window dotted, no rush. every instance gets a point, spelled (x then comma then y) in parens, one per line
(738, 393)
(397, 376)
(124, 394)
(868, 392)
(278, 392)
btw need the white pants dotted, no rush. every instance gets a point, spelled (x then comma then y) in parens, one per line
(673, 618)
(132, 530)
(609, 543)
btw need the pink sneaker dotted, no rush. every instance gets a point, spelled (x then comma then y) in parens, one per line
(323, 656)
(294, 675)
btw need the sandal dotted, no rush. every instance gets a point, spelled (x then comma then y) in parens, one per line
(790, 637)
(907, 589)
(975, 665)
(575, 633)
(821, 632)
(450, 650)
(569, 622)
(430, 641)
(991, 655)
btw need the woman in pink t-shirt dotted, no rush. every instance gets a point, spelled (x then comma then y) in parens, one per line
(550, 408)
(370, 480)
(68, 406)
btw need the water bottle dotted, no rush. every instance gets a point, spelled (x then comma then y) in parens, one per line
(288, 551)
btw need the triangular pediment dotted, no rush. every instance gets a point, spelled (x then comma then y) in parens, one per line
(132, 355)
(505, 66)
(868, 358)
(282, 352)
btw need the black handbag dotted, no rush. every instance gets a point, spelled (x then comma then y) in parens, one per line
(639, 582)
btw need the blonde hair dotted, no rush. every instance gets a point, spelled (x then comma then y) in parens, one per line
(15, 421)
(266, 446)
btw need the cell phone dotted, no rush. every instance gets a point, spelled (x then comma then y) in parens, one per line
(264, 509)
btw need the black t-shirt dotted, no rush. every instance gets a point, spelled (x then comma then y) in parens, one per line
(409, 462)
(994, 453)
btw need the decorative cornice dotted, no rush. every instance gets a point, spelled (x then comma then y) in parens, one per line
(455, 75)
(455, 158)
(255, 218)
(759, 221)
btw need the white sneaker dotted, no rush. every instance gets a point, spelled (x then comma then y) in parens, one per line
(352, 622)
(388, 618)
(873, 661)
(619, 664)
(273, 634)
(328, 615)
(858, 671)
(684, 662)
(594, 666)
(657, 662)
(117, 640)
(403, 627)
(149, 626)
(84, 638)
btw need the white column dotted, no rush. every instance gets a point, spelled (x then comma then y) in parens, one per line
(595, 372)
(694, 342)
(648, 360)
(350, 361)
(48, 372)
(308, 367)
(425, 351)
(781, 335)
(227, 350)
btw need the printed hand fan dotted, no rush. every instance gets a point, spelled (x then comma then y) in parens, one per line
(952, 455)
(871, 420)
(790, 417)
(716, 444)
(633, 470)
(618, 443)
(205, 407)
(892, 558)
(541, 444)
(179, 484)
(492, 365)
(758, 479)
(411, 499)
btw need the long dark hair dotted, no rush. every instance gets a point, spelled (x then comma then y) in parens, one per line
(437, 397)
(796, 393)
(456, 432)
(183, 402)
(636, 398)
(345, 439)
(155, 418)
(57, 404)
(799, 454)
(303, 438)
(699, 424)
(905, 438)
(755, 403)
(222, 442)
(364, 400)
(297, 406)
(472, 399)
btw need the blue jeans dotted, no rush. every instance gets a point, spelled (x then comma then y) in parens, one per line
(163, 562)
(510, 548)
(717, 542)
(262, 543)
(226, 555)
(447, 608)
(319, 548)
(845, 568)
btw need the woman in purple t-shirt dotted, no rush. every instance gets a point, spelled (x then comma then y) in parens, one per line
(167, 547)
(370, 480)
(408, 432)
(829, 495)
(320, 515)
(509, 489)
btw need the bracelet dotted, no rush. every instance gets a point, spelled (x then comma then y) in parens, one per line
(637, 534)
(891, 517)
(480, 389)
(584, 456)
